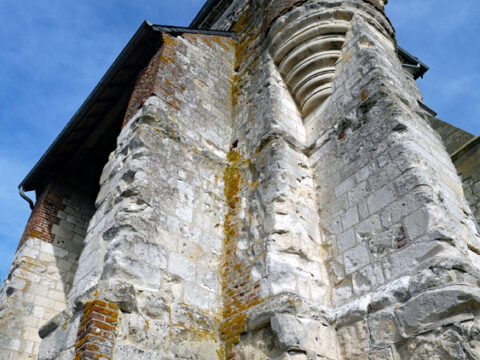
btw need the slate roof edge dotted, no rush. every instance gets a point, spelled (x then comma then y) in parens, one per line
(189, 30)
(92, 97)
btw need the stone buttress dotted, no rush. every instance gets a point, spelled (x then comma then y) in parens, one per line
(368, 248)
(276, 192)
(148, 284)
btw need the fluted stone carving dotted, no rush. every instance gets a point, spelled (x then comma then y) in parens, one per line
(306, 48)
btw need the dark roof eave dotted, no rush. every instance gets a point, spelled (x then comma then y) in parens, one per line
(28, 183)
(422, 68)
(190, 30)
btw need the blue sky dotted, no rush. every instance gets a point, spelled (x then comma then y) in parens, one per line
(53, 53)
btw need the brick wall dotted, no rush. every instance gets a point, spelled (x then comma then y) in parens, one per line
(163, 77)
(96, 333)
(44, 216)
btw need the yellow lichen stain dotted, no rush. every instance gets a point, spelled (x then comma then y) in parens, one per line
(65, 324)
(170, 333)
(36, 234)
(196, 334)
(169, 45)
(221, 353)
(365, 42)
(254, 185)
(237, 291)
(346, 57)
(202, 331)
(209, 44)
(168, 40)
(235, 90)
(167, 59)
(27, 285)
(231, 180)
(220, 42)
(243, 21)
(162, 132)
(245, 47)
(364, 95)
(344, 15)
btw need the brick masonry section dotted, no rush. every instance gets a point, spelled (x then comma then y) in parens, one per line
(165, 86)
(96, 334)
(239, 292)
(44, 215)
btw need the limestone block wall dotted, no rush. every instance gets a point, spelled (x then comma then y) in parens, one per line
(42, 272)
(467, 161)
(453, 137)
(391, 208)
(463, 148)
(262, 205)
(385, 189)
(273, 224)
(150, 273)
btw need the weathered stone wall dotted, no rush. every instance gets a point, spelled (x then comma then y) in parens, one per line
(268, 199)
(453, 137)
(393, 210)
(390, 205)
(467, 162)
(155, 245)
(463, 147)
(42, 272)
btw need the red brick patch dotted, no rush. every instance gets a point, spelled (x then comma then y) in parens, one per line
(44, 215)
(96, 333)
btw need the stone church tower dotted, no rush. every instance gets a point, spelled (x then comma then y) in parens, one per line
(265, 184)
